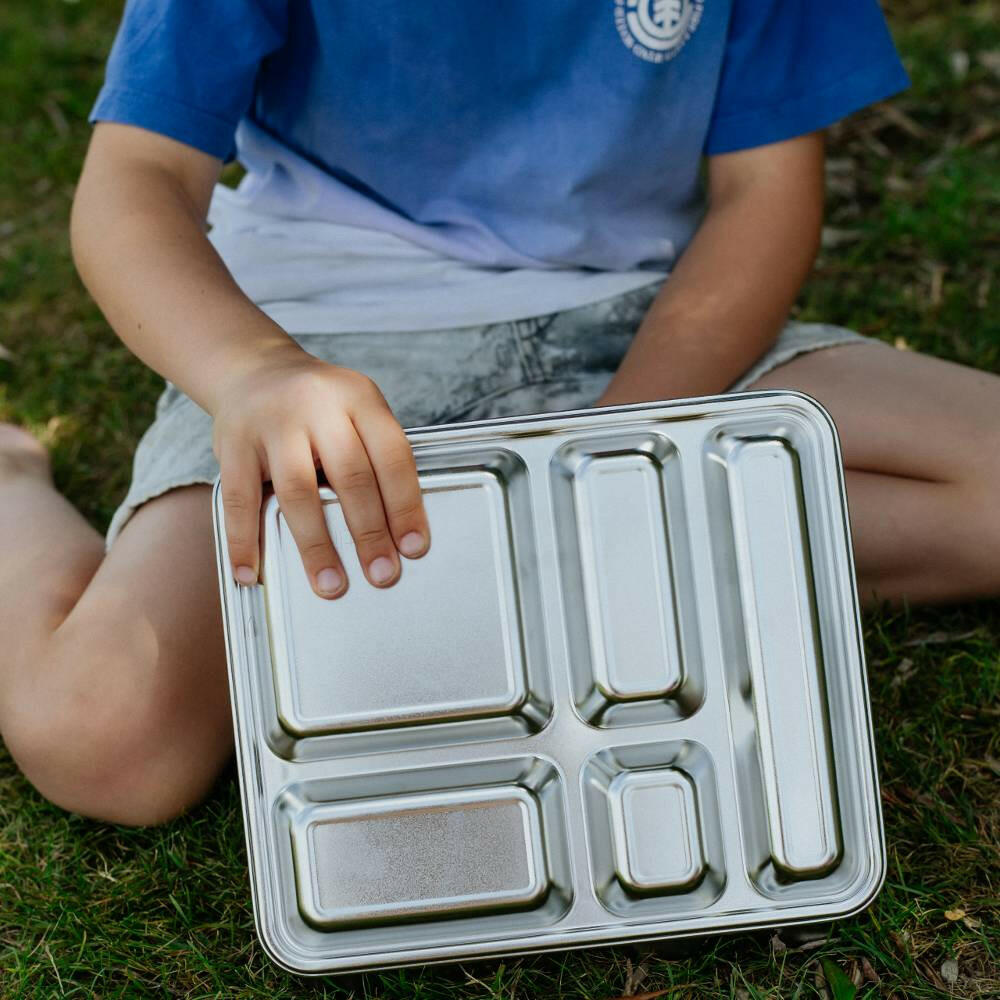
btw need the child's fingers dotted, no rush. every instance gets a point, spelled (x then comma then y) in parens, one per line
(293, 475)
(241, 492)
(392, 459)
(347, 466)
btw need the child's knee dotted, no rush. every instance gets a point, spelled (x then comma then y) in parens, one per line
(94, 734)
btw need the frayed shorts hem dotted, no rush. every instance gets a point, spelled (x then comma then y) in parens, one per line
(176, 450)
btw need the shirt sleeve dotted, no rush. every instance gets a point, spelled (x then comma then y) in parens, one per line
(187, 70)
(795, 66)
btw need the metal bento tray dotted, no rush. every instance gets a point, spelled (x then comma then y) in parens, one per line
(623, 697)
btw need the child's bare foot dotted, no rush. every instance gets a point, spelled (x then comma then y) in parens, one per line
(21, 454)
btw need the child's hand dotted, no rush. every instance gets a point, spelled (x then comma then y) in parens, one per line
(275, 422)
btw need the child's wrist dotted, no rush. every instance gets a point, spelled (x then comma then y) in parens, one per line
(235, 364)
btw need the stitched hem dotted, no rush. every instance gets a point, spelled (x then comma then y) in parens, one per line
(806, 112)
(777, 358)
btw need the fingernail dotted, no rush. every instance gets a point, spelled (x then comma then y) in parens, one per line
(411, 544)
(381, 570)
(245, 575)
(329, 581)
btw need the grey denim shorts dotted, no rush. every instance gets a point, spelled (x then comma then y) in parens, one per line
(562, 361)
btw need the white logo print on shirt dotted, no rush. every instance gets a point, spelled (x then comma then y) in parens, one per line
(656, 30)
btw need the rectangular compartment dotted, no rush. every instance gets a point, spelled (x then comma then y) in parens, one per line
(789, 789)
(654, 829)
(432, 855)
(619, 510)
(423, 855)
(331, 678)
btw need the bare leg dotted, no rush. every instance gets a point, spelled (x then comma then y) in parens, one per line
(113, 694)
(112, 683)
(921, 443)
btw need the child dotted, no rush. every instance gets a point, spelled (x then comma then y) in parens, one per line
(452, 210)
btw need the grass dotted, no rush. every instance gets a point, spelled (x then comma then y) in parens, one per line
(94, 911)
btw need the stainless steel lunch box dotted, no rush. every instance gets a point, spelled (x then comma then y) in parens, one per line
(623, 697)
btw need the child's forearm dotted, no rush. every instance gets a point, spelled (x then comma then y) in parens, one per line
(139, 241)
(730, 293)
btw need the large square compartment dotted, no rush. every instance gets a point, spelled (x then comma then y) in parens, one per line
(345, 679)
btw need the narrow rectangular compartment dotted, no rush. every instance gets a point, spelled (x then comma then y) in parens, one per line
(477, 585)
(654, 829)
(430, 853)
(619, 512)
(627, 577)
(777, 691)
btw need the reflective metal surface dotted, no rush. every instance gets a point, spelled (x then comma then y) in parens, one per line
(622, 697)
(645, 804)
(422, 856)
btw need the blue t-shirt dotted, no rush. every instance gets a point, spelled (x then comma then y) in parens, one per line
(515, 134)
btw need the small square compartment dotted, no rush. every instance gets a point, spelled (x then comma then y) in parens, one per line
(631, 624)
(643, 805)
(653, 829)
